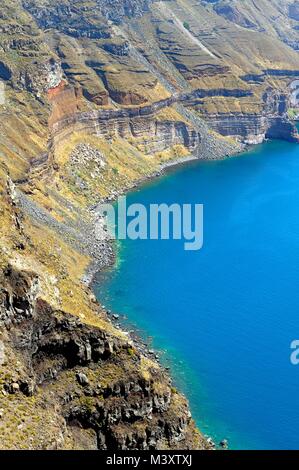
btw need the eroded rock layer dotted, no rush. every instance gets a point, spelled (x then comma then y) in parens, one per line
(96, 97)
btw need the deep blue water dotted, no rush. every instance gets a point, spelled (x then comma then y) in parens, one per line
(225, 316)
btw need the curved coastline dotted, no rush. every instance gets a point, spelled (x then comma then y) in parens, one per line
(108, 257)
(276, 158)
(96, 270)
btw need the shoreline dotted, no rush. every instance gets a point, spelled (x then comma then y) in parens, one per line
(108, 258)
(136, 335)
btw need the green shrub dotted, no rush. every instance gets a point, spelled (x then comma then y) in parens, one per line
(131, 352)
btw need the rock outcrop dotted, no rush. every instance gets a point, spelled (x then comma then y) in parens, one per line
(151, 134)
(232, 13)
(272, 122)
(100, 96)
(253, 129)
(155, 134)
(47, 76)
(96, 385)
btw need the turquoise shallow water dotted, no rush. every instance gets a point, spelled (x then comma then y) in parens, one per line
(224, 317)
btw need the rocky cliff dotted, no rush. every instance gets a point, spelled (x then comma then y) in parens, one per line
(89, 387)
(73, 380)
(99, 96)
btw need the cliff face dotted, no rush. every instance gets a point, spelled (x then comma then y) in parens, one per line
(99, 95)
(72, 380)
(92, 388)
(153, 131)
(253, 128)
(250, 129)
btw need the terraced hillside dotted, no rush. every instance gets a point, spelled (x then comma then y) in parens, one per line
(99, 95)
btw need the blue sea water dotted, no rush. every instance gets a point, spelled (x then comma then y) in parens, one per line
(224, 317)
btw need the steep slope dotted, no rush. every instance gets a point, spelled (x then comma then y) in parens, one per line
(68, 377)
(71, 380)
(143, 52)
(98, 96)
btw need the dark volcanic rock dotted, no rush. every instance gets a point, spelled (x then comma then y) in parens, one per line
(68, 18)
(79, 20)
(115, 10)
(233, 14)
(99, 385)
(121, 49)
